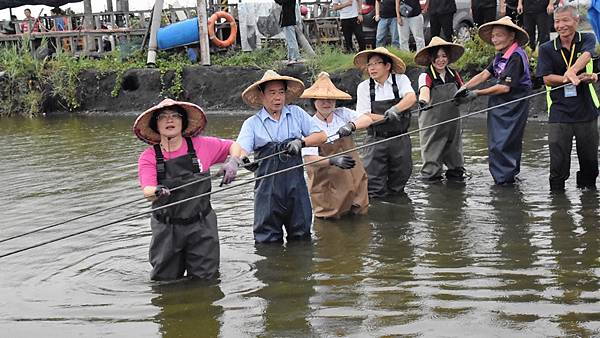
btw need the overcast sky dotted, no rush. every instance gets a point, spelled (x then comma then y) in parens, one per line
(97, 6)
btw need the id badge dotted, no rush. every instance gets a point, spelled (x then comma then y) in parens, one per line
(570, 90)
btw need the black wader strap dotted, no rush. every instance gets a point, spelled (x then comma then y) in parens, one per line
(192, 153)
(160, 164)
(372, 89)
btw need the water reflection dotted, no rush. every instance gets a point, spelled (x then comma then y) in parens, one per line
(341, 268)
(286, 273)
(188, 309)
(576, 244)
(388, 288)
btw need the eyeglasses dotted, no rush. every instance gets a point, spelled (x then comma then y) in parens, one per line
(169, 116)
(372, 64)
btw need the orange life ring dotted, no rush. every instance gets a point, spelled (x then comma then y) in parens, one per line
(211, 29)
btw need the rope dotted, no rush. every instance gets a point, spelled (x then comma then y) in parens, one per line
(232, 186)
(127, 202)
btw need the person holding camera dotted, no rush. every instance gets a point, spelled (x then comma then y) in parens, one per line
(410, 20)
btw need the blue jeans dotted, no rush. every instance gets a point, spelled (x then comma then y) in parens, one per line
(293, 52)
(385, 25)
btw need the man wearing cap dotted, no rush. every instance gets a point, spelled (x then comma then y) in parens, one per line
(279, 128)
(184, 236)
(441, 145)
(387, 96)
(337, 186)
(509, 73)
(573, 109)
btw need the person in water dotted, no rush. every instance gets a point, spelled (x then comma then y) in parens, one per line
(337, 186)
(509, 71)
(279, 128)
(184, 241)
(440, 145)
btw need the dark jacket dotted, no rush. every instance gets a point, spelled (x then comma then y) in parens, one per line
(442, 7)
(288, 12)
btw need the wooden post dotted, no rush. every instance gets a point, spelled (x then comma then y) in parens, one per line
(109, 6)
(203, 32)
(154, 26)
(88, 25)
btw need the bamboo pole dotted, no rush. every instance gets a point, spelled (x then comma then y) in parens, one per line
(154, 26)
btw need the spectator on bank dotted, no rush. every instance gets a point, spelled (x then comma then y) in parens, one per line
(441, 17)
(410, 20)
(387, 22)
(483, 11)
(509, 8)
(535, 17)
(60, 22)
(287, 21)
(30, 24)
(11, 27)
(351, 22)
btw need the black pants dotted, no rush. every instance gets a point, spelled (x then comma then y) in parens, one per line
(351, 26)
(514, 15)
(531, 21)
(560, 139)
(483, 15)
(442, 22)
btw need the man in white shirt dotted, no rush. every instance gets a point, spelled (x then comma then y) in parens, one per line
(351, 21)
(387, 96)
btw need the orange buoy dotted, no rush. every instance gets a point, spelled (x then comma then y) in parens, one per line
(211, 29)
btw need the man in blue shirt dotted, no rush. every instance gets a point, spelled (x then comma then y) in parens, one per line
(573, 109)
(282, 199)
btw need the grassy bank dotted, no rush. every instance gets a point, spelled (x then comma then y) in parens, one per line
(29, 81)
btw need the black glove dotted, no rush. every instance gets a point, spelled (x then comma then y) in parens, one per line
(229, 170)
(423, 105)
(464, 95)
(392, 114)
(347, 129)
(162, 191)
(343, 161)
(461, 92)
(250, 166)
(294, 147)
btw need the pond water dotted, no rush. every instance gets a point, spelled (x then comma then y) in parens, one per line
(464, 259)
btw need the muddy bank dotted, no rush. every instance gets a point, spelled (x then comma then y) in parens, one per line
(211, 87)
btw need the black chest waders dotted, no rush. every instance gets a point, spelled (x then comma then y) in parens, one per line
(388, 164)
(184, 237)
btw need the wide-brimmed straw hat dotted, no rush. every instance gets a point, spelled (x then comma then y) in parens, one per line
(324, 89)
(485, 31)
(424, 57)
(196, 121)
(253, 96)
(361, 59)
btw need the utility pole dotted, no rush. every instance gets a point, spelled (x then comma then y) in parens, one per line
(203, 32)
(154, 26)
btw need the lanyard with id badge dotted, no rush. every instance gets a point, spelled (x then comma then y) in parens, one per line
(570, 89)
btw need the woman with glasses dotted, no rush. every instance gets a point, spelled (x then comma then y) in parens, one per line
(184, 237)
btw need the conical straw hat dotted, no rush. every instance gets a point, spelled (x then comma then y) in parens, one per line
(195, 116)
(252, 95)
(485, 31)
(424, 58)
(361, 59)
(324, 89)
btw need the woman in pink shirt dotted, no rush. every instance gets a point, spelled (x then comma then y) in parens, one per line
(184, 236)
